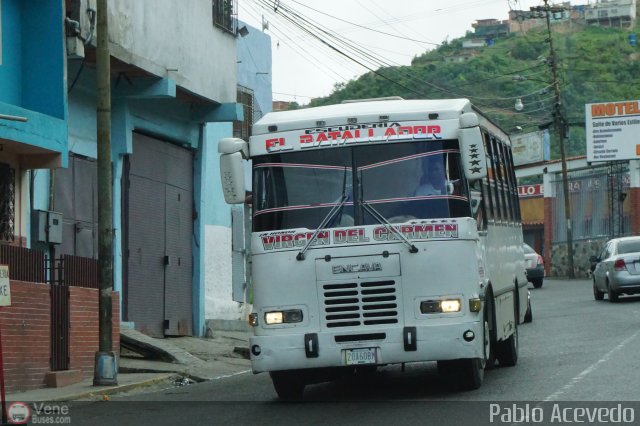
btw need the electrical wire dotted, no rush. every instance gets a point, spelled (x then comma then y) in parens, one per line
(364, 27)
(367, 60)
(299, 50)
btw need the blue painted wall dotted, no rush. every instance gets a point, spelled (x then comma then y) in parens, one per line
(32, 71)
(32, 80)
(215, 210)
(11, 66)
(254, 59)
(168, 119)
(43, 57)
(254, 66)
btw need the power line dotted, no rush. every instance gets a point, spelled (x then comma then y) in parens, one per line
(364, 27)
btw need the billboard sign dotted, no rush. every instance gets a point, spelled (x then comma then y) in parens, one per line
(528, 148)
(613, 131)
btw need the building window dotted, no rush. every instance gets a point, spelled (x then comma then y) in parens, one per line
(225, 14)
(7, 202)
(242, 129)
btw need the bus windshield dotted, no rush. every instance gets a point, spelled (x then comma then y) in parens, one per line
(401, 181)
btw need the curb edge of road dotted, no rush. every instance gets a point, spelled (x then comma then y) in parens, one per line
(112, 390)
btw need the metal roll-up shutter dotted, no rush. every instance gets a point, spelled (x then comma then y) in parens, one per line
(159, 204)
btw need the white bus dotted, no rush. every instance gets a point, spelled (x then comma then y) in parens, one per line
(384, 231)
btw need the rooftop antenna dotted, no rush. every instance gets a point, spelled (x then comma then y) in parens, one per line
(265, 24)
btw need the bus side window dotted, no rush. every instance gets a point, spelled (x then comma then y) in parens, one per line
(478, 207)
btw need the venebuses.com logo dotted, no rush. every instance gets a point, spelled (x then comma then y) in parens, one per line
(18, 413)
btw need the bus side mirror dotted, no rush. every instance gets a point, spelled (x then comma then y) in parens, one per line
(474, 157)
(231, 145)
(234, 151)
(232, 177)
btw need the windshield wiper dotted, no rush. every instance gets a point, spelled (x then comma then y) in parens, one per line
(382, 220)
(323, 224)
(343, 199)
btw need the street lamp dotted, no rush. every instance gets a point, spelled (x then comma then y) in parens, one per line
(519, 106)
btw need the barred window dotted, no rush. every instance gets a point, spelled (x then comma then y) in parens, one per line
(7, 202)
(225, 15)
(242, 129)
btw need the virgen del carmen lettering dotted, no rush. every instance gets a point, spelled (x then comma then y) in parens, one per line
(288, 240)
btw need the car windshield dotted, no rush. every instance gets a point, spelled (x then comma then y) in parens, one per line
(402, 181)
(528, 249)
(626, 247)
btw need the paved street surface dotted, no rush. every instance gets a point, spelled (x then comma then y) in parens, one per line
(575, 350)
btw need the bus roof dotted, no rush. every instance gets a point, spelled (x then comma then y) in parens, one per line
(366, 111)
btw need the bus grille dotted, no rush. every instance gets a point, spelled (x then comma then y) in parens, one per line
(364, 303)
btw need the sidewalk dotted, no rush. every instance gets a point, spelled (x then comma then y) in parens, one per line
(194, 359)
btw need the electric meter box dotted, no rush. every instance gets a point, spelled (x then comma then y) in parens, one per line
(47, 227)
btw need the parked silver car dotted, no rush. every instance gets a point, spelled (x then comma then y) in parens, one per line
(617, 269)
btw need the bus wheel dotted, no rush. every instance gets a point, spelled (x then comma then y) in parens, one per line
(288, 384)
(489, 325)
(507, 352)
(463, 374)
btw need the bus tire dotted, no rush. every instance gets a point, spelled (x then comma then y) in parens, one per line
(288, 385)
(490, 319)
(507, 352)
(462, 374)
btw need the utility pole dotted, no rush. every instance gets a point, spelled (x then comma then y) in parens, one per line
(560, 127)
(105, 371)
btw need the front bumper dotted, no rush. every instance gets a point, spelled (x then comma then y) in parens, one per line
(432, 343)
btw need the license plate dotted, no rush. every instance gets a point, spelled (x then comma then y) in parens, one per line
(360, 356)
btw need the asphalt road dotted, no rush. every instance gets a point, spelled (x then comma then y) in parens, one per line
(577, 352)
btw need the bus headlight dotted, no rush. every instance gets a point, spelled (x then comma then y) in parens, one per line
(440, 306)
(280, 317)
(450, 305)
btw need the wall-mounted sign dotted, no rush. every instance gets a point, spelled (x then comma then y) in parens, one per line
(527, 191)
(5, 290)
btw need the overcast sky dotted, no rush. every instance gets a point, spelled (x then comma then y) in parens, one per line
(304, 68)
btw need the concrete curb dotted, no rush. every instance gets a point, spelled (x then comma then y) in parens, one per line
(112, 390)
(177, 372)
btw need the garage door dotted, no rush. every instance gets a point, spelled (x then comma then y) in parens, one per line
(76, 189)
(159, 227)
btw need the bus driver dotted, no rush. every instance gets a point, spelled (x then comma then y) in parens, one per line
(433, 179)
